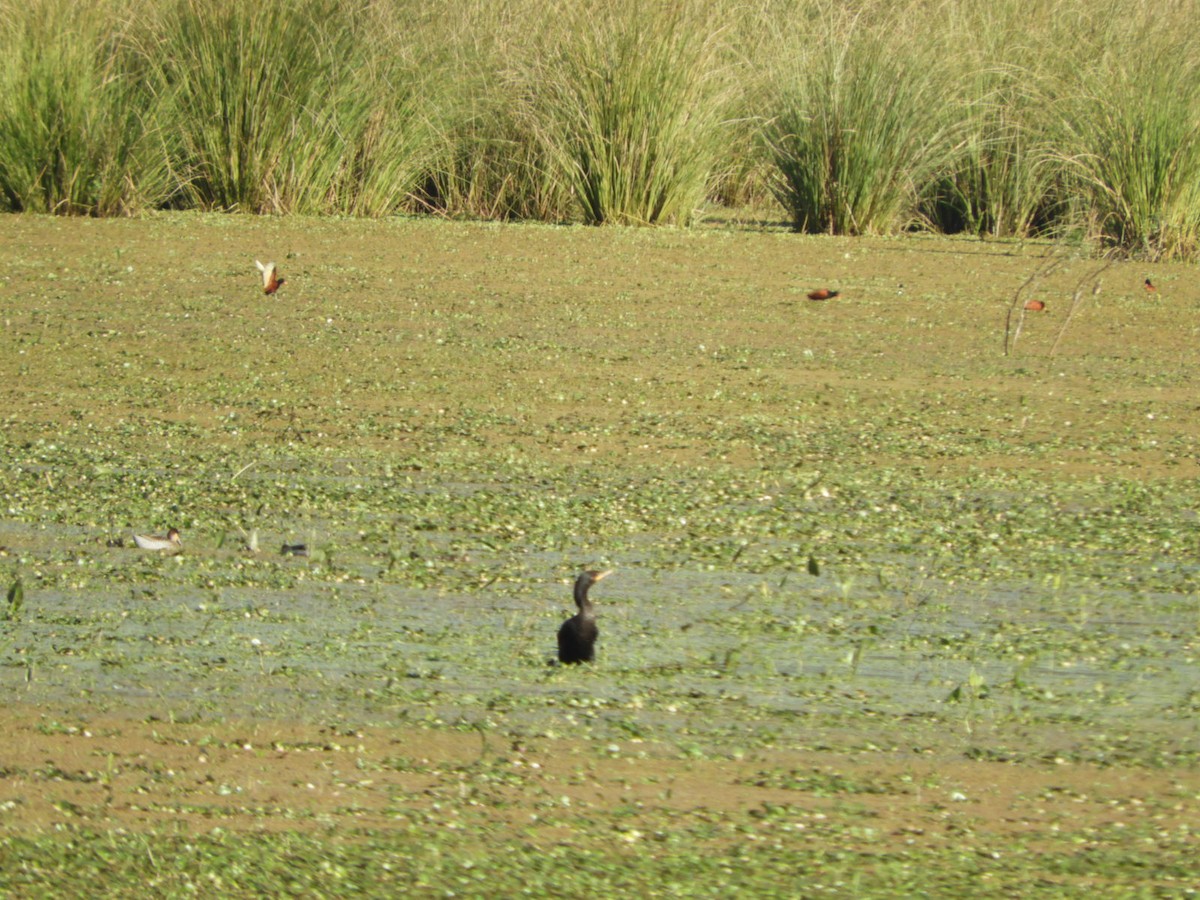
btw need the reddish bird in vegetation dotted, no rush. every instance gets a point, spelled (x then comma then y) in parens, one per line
(822, 294)
(271, 279)
(1150, 288)
(1035, 305)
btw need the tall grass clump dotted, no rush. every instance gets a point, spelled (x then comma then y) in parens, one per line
(392, 113)
(1003, 179)
(490, 167)
(77, 125)
(859, 122)
(490, 164)
(305, 106)
(628, 101)
(1128, 125)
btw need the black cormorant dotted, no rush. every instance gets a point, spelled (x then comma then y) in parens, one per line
(577, 636)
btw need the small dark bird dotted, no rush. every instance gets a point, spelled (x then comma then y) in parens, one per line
(577, 636)
(270, 275)
(1149, 285)
(822, 294)
(1035, 305)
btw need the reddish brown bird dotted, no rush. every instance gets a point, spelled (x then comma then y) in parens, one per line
(271, 279)
(1150, 288)
(1035, 305)
(822, 294)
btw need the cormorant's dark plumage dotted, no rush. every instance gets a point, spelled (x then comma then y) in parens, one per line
(577, 636)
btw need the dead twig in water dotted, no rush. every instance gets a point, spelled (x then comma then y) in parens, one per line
(1077, 299)
(243, 469)
(1018, 307)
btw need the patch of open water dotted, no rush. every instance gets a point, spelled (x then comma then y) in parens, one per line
(683, 652)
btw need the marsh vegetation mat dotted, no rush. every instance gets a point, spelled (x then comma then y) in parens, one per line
(855, 544)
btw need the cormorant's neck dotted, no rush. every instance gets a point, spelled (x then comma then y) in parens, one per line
(581, 597)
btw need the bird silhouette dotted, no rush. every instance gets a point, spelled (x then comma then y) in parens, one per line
(577, 636)
(822, 294)
(1149, 286)
(1035, 305)
(270, 276)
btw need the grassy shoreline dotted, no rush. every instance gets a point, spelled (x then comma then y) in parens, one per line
(1057, 120)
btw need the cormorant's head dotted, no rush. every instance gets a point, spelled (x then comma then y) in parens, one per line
(585, 581)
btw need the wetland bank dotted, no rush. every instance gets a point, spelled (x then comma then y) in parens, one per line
(892, 611)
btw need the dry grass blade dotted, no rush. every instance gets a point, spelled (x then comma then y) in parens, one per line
(1077, 299)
